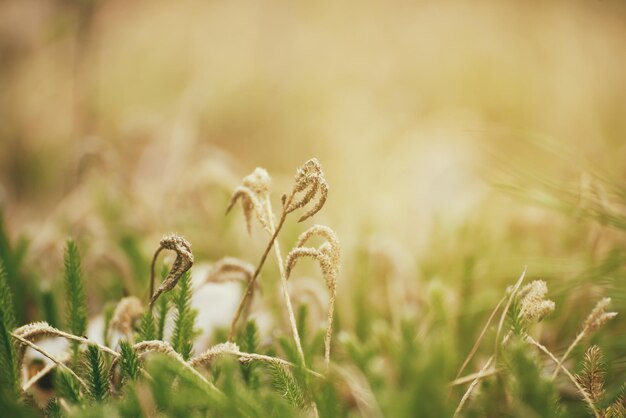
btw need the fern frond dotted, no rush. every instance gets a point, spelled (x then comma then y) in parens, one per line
(75, 294)
(592, 376)
(617, 409)
(184, 332)
(250, 344)
(9, 377)
(285, 385)
(147, 331)
(67, 386)
(96, 374)
(129, 363)
(53, 409)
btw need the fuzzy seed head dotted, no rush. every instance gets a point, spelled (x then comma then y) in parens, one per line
(254, 189)
(127, 311)
(533, 305)
(212, 353)
(598, 316)
(309, 182)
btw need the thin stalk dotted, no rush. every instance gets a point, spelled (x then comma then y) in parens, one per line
(41, 373)
(480, 337)
(249, 289)
(51, 357)
(329, 333)
(470, 377)
(567, 353)
(582, 391)
(152, 265)
(283, 277)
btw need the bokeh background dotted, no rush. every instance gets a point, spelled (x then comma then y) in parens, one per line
(462, 141)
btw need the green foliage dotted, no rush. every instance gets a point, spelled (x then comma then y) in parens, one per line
(67, 387)
(129, 363)
(250, 344)
(75, 294)
(12, 259)
(184, 321)
(286, 385)
(147, 330)
(53, 409)
(9, 378)
(534, 395)
(96, 374)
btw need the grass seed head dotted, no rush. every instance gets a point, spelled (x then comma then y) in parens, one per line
(534, 306)
(598, 316)
(310, 182)
(254, 189)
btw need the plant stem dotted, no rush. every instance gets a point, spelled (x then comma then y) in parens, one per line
(250, 288)
(567, 372)
(154, 258)
(283, 276)
(567, 352)
(51, 357)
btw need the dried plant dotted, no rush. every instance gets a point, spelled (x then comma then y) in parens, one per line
(596, 319)
(309, 183)
(182, 263)
(328, 257)
(533, 305)
(255, 187)
(230, 269)
(127, 311)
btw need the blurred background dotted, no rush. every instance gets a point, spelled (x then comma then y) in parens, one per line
(462, 141)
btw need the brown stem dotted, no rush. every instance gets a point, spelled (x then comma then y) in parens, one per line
(248, 293)
(154, 258)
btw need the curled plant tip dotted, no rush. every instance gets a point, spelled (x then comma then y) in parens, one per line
(328, 257)
(252, 192)
(598, 316)
(127, 311)
(534, 306)
(230, 269)
(182, 263)
(310, 182)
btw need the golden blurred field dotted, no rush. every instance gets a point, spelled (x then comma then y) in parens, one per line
(122, 121)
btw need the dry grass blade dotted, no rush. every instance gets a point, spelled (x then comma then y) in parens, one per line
(182, 263)
(229, 348)
(55, 360)
(480, 337)
(506, 309)
(43, 329)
